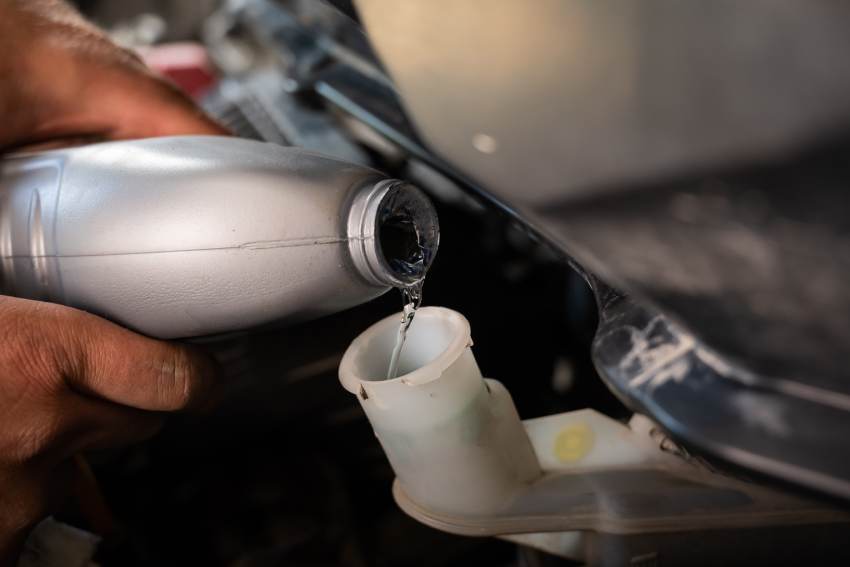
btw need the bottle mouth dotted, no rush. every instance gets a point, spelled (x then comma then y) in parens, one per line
(398, 238)
(394, 233)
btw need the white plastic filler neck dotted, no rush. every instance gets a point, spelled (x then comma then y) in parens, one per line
(454, 440)
(435, 344)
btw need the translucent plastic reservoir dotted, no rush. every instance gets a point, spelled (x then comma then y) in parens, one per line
(454, 440)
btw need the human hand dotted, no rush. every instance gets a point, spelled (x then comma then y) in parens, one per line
(64, 82)
(70, 382)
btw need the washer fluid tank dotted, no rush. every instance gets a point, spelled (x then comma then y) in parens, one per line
(454, 439)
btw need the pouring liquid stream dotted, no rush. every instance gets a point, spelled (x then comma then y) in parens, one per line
(412, 298)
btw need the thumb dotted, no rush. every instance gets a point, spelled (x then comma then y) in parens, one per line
(112, 363)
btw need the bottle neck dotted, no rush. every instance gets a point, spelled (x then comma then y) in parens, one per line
(393, 233)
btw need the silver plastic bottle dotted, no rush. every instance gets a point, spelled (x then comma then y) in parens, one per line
(197, 235)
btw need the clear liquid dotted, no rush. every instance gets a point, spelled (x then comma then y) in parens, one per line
(411, 297)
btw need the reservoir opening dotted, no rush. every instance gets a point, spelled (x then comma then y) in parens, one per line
(434, 330)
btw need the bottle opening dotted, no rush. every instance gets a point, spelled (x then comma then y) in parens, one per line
(400, 244)
(407, 232)
(394, 233)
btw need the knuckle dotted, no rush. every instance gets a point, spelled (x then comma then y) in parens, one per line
(180, 378)
(33, 360)
(35, 344)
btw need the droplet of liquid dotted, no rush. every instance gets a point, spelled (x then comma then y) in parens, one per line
(411, 296)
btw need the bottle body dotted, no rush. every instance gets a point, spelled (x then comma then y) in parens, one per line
(190, 236)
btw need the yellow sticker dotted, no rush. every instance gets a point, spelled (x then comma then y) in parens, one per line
(573, 442)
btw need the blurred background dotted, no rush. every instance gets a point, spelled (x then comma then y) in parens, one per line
(286, 470)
